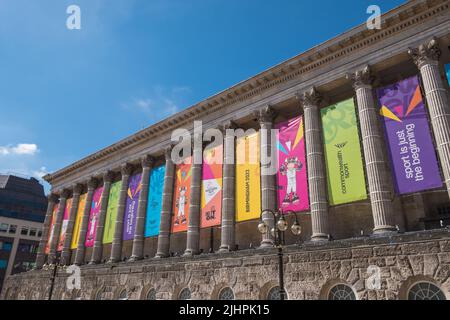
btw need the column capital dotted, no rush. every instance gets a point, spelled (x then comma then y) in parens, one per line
(52, 197)
(361, 78)
(126, 169)
(65, 193)
(168, 152)
(425, 53)
(229, 124)
(92, 183)
(265, 114)
(311, 98)
(147, 161)
(77, 188)
(108, 176)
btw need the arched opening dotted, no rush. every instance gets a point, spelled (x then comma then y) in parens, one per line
(185, 294)
(425, 291)
(226, 294)
(341, 291)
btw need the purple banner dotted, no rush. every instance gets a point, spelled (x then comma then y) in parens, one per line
(411, 149)
(129, 220)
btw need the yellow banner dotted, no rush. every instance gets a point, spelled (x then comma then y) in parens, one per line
(77, 225)
(248, 178)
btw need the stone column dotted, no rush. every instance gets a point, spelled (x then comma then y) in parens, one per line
(316, 167)
(193, 232)
(377, 175)
(65, 254)
(268, 180)
(138, 240)
(116, 248)
(97, 251)
(40, 257)
(227, 241)
(426, 57)
(57, 226)
(79, 256)
(166, 207)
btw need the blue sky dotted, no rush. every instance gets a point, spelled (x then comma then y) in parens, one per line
(65, 94)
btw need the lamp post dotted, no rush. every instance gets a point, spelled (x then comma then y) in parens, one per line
(280, 226)
(54, 267)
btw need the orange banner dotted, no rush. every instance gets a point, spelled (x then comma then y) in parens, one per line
(181, 196)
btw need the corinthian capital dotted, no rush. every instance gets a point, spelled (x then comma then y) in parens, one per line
(361, 78)
(92, 183)
(311, 98)
(52, 197)
(265, 114)
(77, 188)
(147, 161)
(425, 53)
(126, 169)
(108, 176)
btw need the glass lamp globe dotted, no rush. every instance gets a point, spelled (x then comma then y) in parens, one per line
(282, 224)
(262, 227)
(296, 228)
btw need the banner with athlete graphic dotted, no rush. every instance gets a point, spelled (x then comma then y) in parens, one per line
(343, 157)
(65, 222)
(51, 230)
(291, 176)
(211, 199)
(131, 206)
(409, 141)
(181, 195)
(93, 217)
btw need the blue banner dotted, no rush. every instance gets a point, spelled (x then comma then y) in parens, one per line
(154, 204)
(447, 71)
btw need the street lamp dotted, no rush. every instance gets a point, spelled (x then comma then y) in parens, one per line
(280, 226)
(54, 267)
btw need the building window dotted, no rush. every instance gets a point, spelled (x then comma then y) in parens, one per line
(185, 294)
(341, 292)
(226, 294)
(7, 246)
(274, 294)
(4, 227)
(3, 264)
(151, 294)
(24, 247)
(123, 295)
(24, 231)
(425, 291)
(33, 232)
(12, 228)
(39, 234)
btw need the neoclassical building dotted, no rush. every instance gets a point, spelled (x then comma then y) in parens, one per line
(363, 147)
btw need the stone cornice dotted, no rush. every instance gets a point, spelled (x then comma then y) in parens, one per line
(402, 18)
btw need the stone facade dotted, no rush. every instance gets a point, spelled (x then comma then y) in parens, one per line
(414, 40)
(311, 269)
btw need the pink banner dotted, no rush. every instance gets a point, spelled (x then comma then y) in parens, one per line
(291, 176)
(93, 217)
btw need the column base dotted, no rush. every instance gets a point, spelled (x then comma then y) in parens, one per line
(135, 258)
(93, 262)
(111, 260)
(266, 244)
(384, 230)
(224, 249)
(189, 253)
(320, 237)
(161, 256)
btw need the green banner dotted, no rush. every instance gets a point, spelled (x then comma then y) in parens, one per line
(111, 212)
(343, 153)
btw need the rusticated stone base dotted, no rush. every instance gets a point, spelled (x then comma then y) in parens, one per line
(310, 271)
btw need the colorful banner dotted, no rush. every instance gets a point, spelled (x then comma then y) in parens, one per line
(51, 230)
(111, 212)
(447, 71)
(291, 176)
(77, 224)
(181, 196)
(248, 178)
(93, 217)
(343, 157)
(131, 206)
(409, 141)
(65, 222)
(211, 201)
(154, 204)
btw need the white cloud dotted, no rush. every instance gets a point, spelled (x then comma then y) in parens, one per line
(40, 173)
(19, 149)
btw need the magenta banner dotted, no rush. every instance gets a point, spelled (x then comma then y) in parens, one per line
(411, 149)
(291, 175)
(93, 217)
(133, 192)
